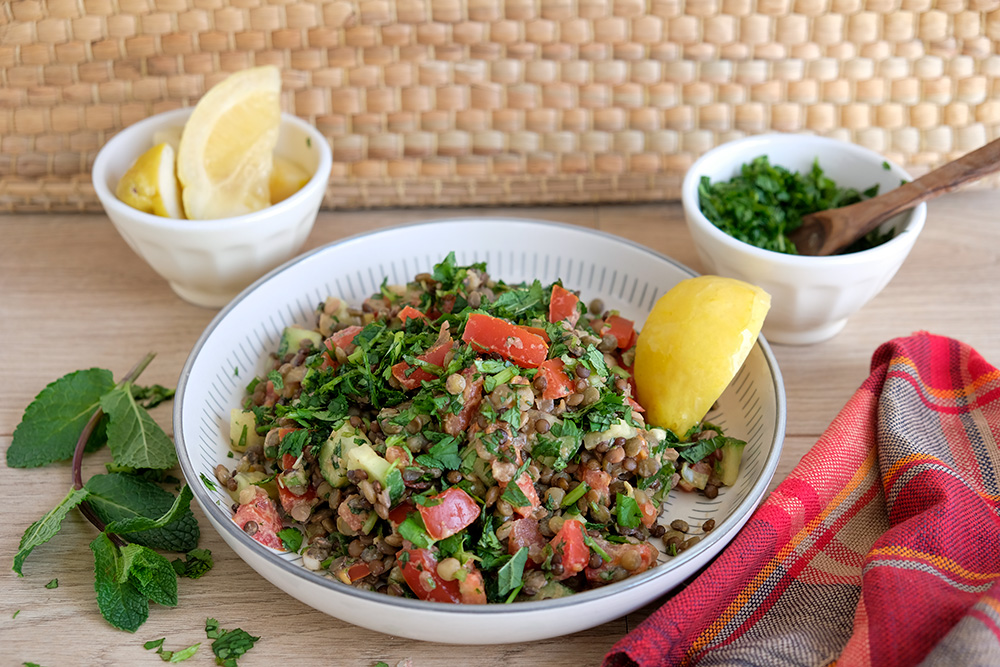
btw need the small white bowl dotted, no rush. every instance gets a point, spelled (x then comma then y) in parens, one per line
(208, 262)
(811, 297)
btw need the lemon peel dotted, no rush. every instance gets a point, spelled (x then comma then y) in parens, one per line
(693, 343)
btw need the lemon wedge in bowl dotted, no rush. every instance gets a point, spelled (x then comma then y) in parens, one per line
(692, 345)
(150, 184)
(225, 156)
(286, 179)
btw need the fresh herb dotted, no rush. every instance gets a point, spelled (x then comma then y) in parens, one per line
(16, 613)
(229, 645)
(509, 576)
(766, 202)
(515, 496)
(627, 511)
(194, 565)
(53, 584)
(171, 656)
(291, 538)
(133, 514)
(699, 449)
(209, 484)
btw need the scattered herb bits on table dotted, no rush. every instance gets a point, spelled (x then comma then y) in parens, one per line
(460, 439)
(766, 202)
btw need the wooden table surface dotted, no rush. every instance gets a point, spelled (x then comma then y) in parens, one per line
(73, 296)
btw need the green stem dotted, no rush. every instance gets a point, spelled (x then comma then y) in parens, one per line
(81, 444)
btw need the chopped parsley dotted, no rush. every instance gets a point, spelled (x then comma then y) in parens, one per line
(766, 202)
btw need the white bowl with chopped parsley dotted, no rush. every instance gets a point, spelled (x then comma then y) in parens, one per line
(627, 277)
(755, 189)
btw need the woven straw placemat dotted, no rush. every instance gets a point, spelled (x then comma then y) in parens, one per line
(459, 102)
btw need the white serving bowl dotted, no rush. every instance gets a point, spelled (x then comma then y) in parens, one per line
(812, 297)
(626, 276)
(208, 262)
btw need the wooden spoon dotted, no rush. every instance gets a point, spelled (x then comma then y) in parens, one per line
(828, 232)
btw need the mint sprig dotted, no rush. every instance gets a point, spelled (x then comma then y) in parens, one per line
(80, 412)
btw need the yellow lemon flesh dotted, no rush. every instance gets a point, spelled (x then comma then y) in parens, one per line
(286, 179)
(225, 155)
(693, 343)
(150, 184)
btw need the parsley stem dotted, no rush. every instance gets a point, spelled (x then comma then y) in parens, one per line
(81, 444)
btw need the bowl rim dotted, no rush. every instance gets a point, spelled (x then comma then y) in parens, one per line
(917, 216)
(732, 522)
(282, 209)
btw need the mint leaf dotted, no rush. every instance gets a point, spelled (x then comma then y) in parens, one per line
(135, 439)
(120, 603)
(179, 509)
(232, 645)
(45, 528)
(515, 496)
(155, 643)
(182, 655)
(117, 497)
(212, 629)
(52, 423)
(194, 565)
(53, 584)
(150, 573)
(509, 576)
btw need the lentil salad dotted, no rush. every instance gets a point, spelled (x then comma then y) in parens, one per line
(459, 439)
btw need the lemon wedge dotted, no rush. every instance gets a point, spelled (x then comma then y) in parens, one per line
(693, 343)
(150, 184)
(225, 155)
(286, 179)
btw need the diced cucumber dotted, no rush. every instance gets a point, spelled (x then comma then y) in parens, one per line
(363, 457)
(728, 469)
(552, 590)
(293, 336)
(696, 479)
(333, 454)
(619, 430)
(243, 430)
(246, 479)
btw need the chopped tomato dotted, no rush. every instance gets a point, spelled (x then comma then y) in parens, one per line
(538, 331)
(599, 481)
(622, 329)
(289, 500)
(492, 334)
(528, 488)
(344, 339)
(448, 512)
(409, 312)
(472, 396)
(398, 514)
(435, 356)
(568, 543)
(357, 571)
(471, 587)
(420, 573)
(562, 306)
(649, 513)
(261, 510)
(557, 382)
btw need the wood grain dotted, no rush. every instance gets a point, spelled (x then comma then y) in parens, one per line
(72, 295)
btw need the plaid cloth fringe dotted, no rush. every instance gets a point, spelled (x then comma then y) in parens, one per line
(881, 548)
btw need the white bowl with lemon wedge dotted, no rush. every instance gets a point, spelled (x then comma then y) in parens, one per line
(695, 329)
(215, 196)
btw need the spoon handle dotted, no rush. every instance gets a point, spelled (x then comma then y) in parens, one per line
(854, 221)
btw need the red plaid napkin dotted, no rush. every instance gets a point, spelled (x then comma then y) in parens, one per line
(881, 548)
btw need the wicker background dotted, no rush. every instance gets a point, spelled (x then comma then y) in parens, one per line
(447, 102)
